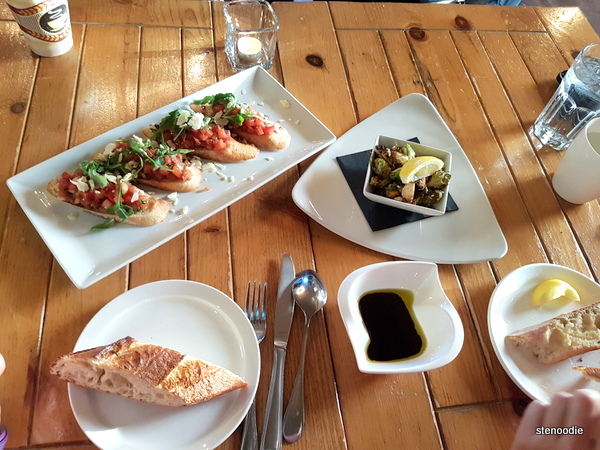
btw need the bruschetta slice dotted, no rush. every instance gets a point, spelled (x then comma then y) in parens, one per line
(243, 121)
(185, 129)
(160, 166)
(108, 195)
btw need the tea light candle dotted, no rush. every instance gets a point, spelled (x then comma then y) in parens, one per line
(249, 48)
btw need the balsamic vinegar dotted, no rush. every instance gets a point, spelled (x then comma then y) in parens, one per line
(390, 322)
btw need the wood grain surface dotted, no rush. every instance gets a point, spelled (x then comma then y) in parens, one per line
(489, 71)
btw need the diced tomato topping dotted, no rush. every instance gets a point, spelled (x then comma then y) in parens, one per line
(212, 137)
(172, 170)
(258, 126)
(101, 199)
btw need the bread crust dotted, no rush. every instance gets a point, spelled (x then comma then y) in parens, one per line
(561, 337)
(278, 140)
(152, 373)
(591, 373)
(235, 152)
(191, 181)
(155, 213)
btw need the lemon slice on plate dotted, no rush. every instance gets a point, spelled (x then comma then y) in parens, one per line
(550, 291)
(420, 167)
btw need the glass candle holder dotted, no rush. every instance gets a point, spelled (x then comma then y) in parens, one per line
(251, 34)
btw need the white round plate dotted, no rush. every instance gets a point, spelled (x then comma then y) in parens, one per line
(192, 318)
(433, 310)
(510, 310)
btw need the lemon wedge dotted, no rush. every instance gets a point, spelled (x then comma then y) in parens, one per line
(553, 290)
(420, 167)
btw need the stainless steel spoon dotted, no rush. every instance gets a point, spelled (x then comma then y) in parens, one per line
(310, 295)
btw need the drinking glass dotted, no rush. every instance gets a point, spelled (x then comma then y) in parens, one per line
(574, 104)
(251, 34)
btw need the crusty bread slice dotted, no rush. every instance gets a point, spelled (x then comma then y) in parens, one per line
(562, 337)
(192, 181)
(278, 140)
(235, 152)
(155, 213)
(591, 373)
(192, 178)
(146, 372)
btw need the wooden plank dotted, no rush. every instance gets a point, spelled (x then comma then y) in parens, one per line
(308, 50)
(529, 81)
(534, 188)
(106, 98)
(452, 384)
(381, 15)
(369, 55)
(479, 283)
(569, 29)
(19, 65)
(45, 136)
(175, 13)
(470, 428)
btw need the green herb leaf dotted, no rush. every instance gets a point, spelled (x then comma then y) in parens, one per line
(104, 225)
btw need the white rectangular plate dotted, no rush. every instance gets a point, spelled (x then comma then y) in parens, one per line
(87, 257)
(469, 235)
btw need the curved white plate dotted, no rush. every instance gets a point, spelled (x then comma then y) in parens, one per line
(510, 309)
(76, 248)
(468, 235)
(192, 318)
(435, 313)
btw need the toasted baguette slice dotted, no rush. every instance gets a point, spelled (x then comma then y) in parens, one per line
(155, 213)
(278, 140)
(562, 337)
(191, 176)
(191, 181)
(236, 151)
(146, 372)
(591, 373)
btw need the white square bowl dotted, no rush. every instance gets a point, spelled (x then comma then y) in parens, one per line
(438, 208)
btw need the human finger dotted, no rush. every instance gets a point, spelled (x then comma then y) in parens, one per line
(556, 413)
(526, 435)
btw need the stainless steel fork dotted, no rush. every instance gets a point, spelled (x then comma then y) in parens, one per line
(256, 310)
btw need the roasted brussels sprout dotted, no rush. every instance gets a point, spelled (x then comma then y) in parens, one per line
(439, 179)
(381, 167)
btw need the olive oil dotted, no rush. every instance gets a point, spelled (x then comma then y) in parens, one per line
(391, 324)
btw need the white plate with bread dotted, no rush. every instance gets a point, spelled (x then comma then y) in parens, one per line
(191, 318)
(511, 311)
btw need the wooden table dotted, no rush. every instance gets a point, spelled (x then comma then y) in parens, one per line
(488, 70)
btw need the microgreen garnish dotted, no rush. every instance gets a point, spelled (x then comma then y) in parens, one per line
(94, 171)
(178, 122)
(235, 112)
(119, 209)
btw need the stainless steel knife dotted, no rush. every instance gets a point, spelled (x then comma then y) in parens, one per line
(272, 434)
